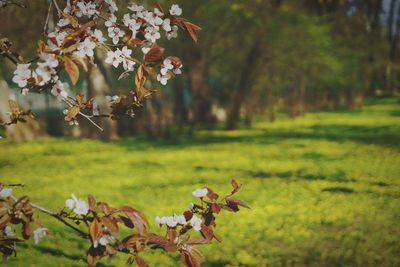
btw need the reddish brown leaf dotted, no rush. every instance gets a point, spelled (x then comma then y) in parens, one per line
(137, 218)
(211, 194)
(209, 233)
(92, 202)
(161, 241)
(80, 62)
(188, 215)
(92, 260)
(192, 29)
(140, 262)
(215, 208)
(155, 54)
(175, 61)
(27, 230)
(198, 241)
(110, 223)
(95, 230)
(72, 69)
(192, 258)
(141, 76)
(171, 234)
(231, 200)
(235, 186)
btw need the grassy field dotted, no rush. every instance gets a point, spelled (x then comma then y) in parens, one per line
(324, 189)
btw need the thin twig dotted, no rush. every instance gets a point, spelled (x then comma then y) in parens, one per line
(59, 11)
(56, 216)
(47, 19)
(90, 119)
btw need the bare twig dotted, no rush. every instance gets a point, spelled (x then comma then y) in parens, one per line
(58, 217)
(47, 19)
(59, 11)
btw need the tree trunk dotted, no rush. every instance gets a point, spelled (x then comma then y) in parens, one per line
(244, 86)
(202, 102)
(20, 132)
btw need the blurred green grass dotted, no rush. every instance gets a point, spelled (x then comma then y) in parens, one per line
(324, 188)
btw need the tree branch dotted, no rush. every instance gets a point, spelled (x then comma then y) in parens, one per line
(58, 217)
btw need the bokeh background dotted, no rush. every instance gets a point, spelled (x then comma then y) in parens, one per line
(297, 100)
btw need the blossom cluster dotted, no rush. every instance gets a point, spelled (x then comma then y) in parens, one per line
(78, 33)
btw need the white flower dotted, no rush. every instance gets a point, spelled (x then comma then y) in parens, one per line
(136, 8)
(167, 25)
(161, 220)
(112, 6)
(104, 240)
(175, 10)
(152, 34)
(115, 33)
(78, 206)
(163, 79)
(86, 48)
(158, 13)
(81, 207)
(170, 222)
(59, 89)
(22, 74)
(180, 219)
(98, 35)
(63, 22)
(6, 192)
(88, 9)
(196, 222)
(191, 206)
(114, 57)
(201, 192)
(39, 233)
(132, 24)
(25, 91)
(167, 65)
(8, 231)
(145, 50)
(173, 33)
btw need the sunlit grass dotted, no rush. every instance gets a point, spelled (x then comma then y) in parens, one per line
(324, 188)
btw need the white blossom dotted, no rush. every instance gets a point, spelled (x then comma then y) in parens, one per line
(63, 22)
(132, 24)
(191, 206)
(163, 79)
(175, 10)
(126, 62)
(167, 25)
(180, 219)
(98, 35)
(196, 222)
(173, 33)
(136, 8)
(22, 74)
(114, 58)
(86, 48)
(78, 206)
(39, 233)
(60, 89)
(6, 192)
(25, 91)
(145, 50)
(9, 231)
(167, 65)
(81, 207)
(152, 34)
(201, 192)
(89, 9)
(112, 6)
